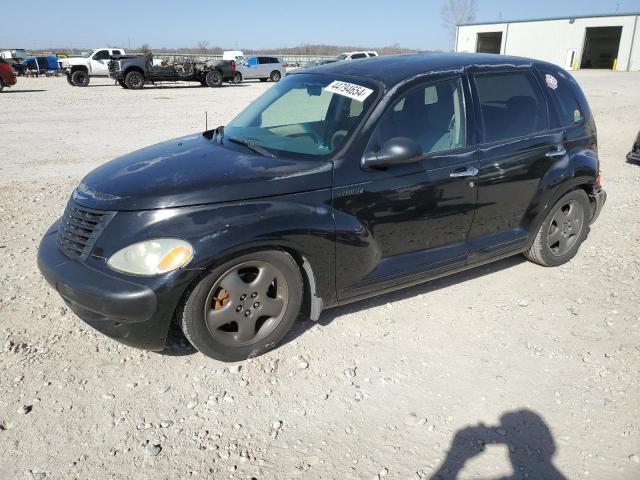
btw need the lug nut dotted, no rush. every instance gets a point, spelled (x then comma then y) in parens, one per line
(256, 305)
(238, 308)
(247, 313)
(242, 297)
(254, 295)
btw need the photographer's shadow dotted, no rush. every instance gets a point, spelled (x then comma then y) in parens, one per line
(529, 440)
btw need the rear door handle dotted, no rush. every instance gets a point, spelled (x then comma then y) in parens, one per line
(467, 172)
(558, 152)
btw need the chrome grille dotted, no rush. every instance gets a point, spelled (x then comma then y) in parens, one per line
(79, 229)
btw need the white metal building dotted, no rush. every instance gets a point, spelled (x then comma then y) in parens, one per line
(606, 41)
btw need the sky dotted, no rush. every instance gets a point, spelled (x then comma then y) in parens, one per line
(258, 23)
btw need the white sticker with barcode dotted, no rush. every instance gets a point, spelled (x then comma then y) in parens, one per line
(350, 90)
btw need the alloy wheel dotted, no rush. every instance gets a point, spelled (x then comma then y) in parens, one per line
(565, 228)
(246, 303)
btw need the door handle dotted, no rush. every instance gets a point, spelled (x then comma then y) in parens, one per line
(559, 152)
(467, 172)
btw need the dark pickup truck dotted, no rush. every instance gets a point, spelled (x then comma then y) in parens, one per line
(133, 71)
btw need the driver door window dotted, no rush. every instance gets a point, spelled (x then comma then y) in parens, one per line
(432, 115)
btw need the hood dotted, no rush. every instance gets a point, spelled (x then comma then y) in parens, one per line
(74, 61)
(194, 171)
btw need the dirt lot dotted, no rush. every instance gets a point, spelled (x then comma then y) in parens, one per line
(542, 364)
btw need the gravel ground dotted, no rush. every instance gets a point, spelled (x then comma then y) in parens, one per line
(513, 366)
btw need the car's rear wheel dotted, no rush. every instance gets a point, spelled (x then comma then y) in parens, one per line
(122, 84)
(563, 231)
(275, 76)
(214, 78)
(80, 78)
(245, 307)
(70, 81)
(134, 80)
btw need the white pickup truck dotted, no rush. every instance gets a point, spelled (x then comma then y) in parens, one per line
(91, 64)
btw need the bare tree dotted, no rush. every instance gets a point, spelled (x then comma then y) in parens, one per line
(455, 12)
(203, 45)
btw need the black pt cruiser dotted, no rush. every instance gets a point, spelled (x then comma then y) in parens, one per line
(339, 183)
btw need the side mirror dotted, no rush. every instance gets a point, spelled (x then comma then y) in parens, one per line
(396, 151)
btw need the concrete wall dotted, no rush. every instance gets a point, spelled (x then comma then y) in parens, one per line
(550, 40)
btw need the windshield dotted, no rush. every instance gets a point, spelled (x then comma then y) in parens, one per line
(306, 114)
(87, 54)
(342, 56)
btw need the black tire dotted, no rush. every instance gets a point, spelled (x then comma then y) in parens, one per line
(80, 78)
(213, 78)
(122, 84)
(237, 78)
(134, 80)
(264, 79)
(223, 341)
(1, 84)
(563, 231)
(70, 81)
(275, 76)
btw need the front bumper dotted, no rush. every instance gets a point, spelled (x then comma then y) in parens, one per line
(132, 313)
(599, 197)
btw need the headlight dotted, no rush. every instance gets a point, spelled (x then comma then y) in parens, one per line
(152, 257)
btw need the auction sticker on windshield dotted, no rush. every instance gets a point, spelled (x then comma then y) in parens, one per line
(350, 90)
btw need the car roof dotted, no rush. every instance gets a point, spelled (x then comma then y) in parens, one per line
(393, 69)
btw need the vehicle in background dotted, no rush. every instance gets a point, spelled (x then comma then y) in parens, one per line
(356, 55)
(18, 66)
(262, 68)
(232, 54)
(7, 77)
(337, 184)
(42, 65)
(317, 63)
(134, 71)
(95, 63)
(634, 154)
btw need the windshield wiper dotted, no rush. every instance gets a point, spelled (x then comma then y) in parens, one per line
(252, 146)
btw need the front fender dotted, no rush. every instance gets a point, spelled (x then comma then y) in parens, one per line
(300, 223)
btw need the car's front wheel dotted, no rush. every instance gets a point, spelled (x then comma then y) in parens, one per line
(237, 78)
(244, 307)
(80, 78)
(213, 78)
(134, 80)
(70, 81)
(563, 231)
(122, 84)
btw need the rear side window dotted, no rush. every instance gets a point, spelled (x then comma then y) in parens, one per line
(512, 105)
(358, 55)
(117, 52)
(561, 88)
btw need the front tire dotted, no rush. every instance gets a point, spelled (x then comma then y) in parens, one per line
(122, 84)
(134, 80)
(70, 81)
(563, 231)
(244, 307)
(213, 78)
(80, 78)
(237, 78)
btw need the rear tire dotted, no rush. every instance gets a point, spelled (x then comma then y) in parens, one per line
(80, 78)
(70, 81)
(134, 80)
(237, 78)
(563, 231)
(122, 84)
(1, 84)
(275, 76)
(244, 307)
(213, 78)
